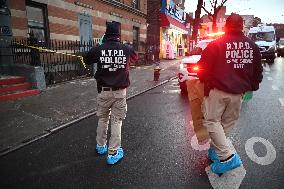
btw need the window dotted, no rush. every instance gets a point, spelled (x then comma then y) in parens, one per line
(135, 38)
(262, 36)
(37, 20)
(136, 4)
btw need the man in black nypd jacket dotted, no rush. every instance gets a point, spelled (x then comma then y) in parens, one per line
(113, 60)
(229, 67)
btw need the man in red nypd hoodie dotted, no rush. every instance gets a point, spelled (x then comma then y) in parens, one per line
(229, 67)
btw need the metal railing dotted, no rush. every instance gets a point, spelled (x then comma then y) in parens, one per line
(59, 59)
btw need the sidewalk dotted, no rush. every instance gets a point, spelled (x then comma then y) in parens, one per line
(28, 119)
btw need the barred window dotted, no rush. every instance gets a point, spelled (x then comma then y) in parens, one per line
(37, 20)
(136, 4)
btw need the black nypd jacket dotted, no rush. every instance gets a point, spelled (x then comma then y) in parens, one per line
(232, 64)
(113, 59)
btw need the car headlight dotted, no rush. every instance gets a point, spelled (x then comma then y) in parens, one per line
(271, 48)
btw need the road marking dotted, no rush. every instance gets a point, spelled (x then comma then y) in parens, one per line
(231, 179)
(270, 151)
(198, 147)
(175, 84)
(275, 88)
(281, 100)
(269, 78)
(172, 91)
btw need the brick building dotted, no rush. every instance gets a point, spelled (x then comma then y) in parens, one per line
(67, 27)
(79, 19)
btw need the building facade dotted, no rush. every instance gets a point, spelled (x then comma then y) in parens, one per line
(47, 38)
(279, 30)
(206, 25)
(167, 31)
(173, 30)
(80, 20)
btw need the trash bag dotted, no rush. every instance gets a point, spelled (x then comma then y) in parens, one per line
(195, 93)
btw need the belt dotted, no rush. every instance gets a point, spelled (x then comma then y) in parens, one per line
(109, 88)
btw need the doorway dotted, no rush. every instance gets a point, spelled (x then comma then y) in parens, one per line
(85, 26)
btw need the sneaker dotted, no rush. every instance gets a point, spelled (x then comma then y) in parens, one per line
(222, 167)
(101, 149)
(114, 158)
(212, 155)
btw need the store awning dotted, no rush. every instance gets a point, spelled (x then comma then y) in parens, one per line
(167, 21)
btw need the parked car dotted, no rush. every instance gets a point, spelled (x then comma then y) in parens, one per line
(188, 68)
(264, 37)
(280, 47)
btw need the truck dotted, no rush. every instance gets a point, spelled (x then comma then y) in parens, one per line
(265, 38)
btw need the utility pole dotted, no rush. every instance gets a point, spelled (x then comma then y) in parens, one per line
(153, 30)
(196, 21)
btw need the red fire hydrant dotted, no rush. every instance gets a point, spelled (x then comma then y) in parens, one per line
(157, 70)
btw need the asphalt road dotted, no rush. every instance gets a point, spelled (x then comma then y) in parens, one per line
(159, 153)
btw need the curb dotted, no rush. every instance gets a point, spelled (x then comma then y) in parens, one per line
(65, 125)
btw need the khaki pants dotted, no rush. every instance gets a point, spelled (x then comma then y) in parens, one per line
(111, 104)
(221, 111)
(195, 96)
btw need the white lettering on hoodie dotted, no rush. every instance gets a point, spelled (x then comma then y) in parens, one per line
(239, 54)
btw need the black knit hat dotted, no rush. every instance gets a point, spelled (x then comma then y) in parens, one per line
(112, 29)
(234, 22)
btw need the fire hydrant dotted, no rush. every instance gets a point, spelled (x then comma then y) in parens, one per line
(157, 70)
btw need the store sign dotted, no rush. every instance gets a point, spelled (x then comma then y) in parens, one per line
(178, 14)
(5, 31)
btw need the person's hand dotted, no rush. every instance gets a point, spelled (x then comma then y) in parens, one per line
(247, 96)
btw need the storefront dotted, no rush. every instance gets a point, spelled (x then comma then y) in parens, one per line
(173, 31)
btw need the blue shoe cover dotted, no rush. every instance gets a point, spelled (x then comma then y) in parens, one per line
(113, 159)
(101, 149)
(222, 167)
(212, 155)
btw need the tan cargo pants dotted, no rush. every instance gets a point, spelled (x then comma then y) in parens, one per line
(195, 96)
(111, 104)
(221, 111)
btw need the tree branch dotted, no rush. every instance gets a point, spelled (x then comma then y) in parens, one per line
(215, 5)
(223, 2)
(211, 2)
(209, 13)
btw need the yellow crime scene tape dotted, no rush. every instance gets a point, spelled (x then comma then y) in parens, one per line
(49, 50)
(80, 57)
